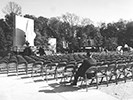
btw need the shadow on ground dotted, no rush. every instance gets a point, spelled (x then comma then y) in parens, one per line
(58, 88)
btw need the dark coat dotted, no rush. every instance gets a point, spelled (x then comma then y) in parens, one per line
(41, 51)
(87, 63)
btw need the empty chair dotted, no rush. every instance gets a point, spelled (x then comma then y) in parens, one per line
(37, 58)
(102, 73)
(120, 70)
(72, 62)
(22, 64)
(69, 71)
(4, 63)
(111, 72)
(50, 69)
(12, 65)
(30, 62)
(129, 69)
(60, 68)
(64, 60)
(37, 68)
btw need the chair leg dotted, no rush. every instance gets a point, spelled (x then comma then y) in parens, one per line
(46, 77)
(86, 83)
(97, 82)
(70, 78)
(119, 76)
(107, 80)
(32, 74)
(7, 70)
(82, 81)
(124, 77)
(61, 80)
(55, 76)
(86, 86)
(132, 75)
(17, 70)
(26, 69)
(110, 78)
(116, 79)
(91, 81)
(41, 73)
(101, 80)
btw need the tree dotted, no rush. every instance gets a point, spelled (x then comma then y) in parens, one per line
(86, 21)
(10, 10)
(10, 30)
(121, 31)
(2, 39)
(72, 19)
(98, 39)
(54, 24)
(42, 25)
(90, 31)
(129, 34)
(12, 7)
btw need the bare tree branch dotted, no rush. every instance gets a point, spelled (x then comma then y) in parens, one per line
(12, 7)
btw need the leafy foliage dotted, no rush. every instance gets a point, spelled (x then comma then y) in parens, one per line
(12, 7)
(68, 28)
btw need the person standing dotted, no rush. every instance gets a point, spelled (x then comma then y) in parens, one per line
(27, 51)
(41, 51)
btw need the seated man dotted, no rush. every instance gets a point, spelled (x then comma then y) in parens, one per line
(87, 63)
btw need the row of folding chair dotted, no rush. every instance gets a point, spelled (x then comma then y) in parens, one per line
(57, 66)
(3, 64)
(17, 64)
(50, 65)
(110, 72)
(61, 69)
(35, 64)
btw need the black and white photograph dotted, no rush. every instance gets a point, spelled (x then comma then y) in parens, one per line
(66, 49)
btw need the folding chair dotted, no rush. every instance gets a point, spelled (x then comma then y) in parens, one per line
(60, 68)
(120, 70)
(96, 72)
(50, 69)
(102, 73)
(87, 77)
(37, 68)
(38, 65)
(22, 64)
(3, 63)
(111, 71)
(30, 62)
(129, 69)
(12, 65)
(69, 71)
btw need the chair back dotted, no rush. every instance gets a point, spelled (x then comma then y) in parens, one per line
(92, 69)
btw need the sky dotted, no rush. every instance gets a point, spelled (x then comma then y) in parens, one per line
(96, 10)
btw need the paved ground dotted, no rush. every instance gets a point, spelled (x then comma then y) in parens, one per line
(23, 87)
